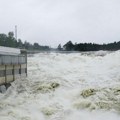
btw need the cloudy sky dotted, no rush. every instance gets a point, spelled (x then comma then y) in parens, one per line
(51, 22)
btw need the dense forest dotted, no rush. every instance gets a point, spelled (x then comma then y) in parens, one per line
(69, 46)
(10, 41)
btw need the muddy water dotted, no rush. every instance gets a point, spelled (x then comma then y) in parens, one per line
(65, 87)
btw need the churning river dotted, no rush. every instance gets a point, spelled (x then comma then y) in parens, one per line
(61, 86)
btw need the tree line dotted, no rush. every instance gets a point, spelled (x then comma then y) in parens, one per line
(69, 46)
(8, 40)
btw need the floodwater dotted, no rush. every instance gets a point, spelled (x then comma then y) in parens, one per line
(61, 86)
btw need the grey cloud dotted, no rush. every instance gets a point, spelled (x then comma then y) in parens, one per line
(52, 22)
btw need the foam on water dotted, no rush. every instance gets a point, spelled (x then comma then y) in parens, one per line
(79, 86)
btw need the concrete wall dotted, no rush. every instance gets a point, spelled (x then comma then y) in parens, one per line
(9, 51)
(9, 73)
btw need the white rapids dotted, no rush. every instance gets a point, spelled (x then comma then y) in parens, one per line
(74, 86)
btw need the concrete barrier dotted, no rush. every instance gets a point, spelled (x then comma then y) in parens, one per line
(12, 67)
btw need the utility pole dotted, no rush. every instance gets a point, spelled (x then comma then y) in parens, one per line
(16, 32)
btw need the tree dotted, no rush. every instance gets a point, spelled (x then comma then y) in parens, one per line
(11, 41)
(3, 38)
(69, 46)
(11, 34)
(36, 46)
(59, 47)
(19, 43)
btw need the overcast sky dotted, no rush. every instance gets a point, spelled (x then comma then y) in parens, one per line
(51, 22)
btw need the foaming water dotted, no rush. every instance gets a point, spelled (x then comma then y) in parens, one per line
(62, 86)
